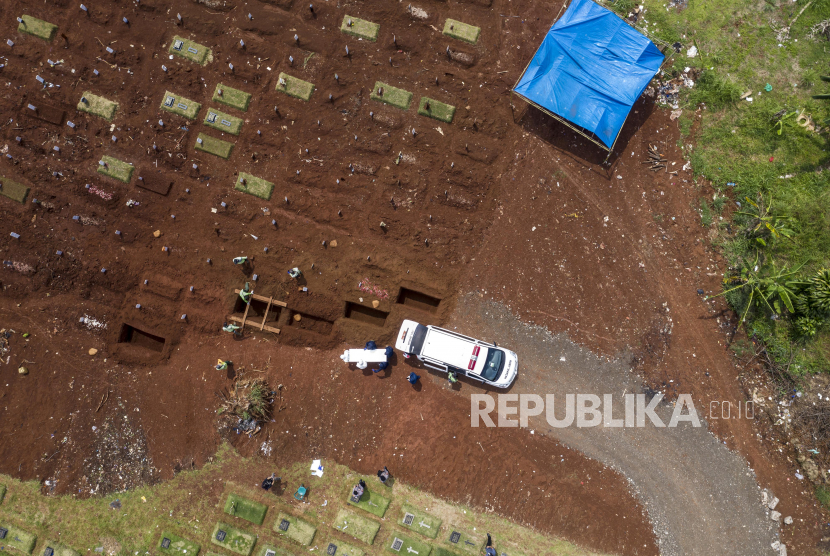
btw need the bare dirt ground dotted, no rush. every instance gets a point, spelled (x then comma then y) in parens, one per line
(459, 209)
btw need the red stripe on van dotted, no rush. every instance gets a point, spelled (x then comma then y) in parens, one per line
(471, 365)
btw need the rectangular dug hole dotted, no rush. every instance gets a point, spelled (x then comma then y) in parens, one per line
(298, 530)
(140, 338)
(214, 146)
(255, 186)
(437, 110)
(310, 323)
(357, 526)
(233, 539)
(231, 97)
(185, 48)
(257, 311)
(244, 508)
(461, 31)
(18, 538)
(37, 28)
(295, 87)
(223, 122)
(174, 544)
(391, 95)
(419, 521)
(418, 300)
(98, 106)
(369, 315)
(117, 169)
(180, 105)
(14, 191)
(360, 28)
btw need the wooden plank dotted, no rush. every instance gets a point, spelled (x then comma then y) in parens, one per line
(245, 315)
(268, 308)
(266, 328)
(265, 299)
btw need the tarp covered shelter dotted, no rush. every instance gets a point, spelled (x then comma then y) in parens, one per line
(589, 70)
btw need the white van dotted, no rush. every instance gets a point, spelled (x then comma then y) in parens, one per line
(445, 350)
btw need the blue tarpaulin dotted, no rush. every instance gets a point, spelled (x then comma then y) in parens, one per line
(590, 69)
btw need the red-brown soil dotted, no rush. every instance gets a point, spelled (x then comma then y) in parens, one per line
(444, 205)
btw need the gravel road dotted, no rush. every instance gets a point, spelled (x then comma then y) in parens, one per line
(701, 497)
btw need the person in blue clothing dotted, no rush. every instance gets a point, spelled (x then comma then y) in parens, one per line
(413, 378)
(488, 548)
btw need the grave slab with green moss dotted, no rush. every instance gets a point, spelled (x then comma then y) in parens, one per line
(117, 169)
(419, 521)
(295, 87)
(214, 146)
(357, 526)
(401, 544)
(248, 510)
(272, 550)
(99, 106)
(391, 95)
(18, 538)
(371, 501)
(360, 28)
(231, 97)
(37, 28)
(339, 548)
(180, 105)
(461, 31)
(462, 541)
(223, 122)
(61, 550)
(233, 539)
(255, 186)
(296, 529)
(16, 192)
(436, 110)
(439, 551)
(177, 545)
(190, 50)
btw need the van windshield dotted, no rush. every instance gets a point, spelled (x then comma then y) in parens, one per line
(418, 336)
(493, 364)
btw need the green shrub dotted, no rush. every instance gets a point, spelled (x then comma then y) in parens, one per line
(713, 90)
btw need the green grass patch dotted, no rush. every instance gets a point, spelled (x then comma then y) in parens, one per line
(16, 192)
(37, 27)
(299, 530)
(61, 550)
(246, 509)
(436, 110)
(180, 105)
(420, 521)
(391, 95)
(18, 538)
(360, 28)
(465, 542)
(190, 50)
(118, 169)
(2, 493)
(294, 87)
(439, 551)
(214, 146)
(235, 540)
(223, 122)
(99, 106)
(371, 501)
(408, 546)
(231, 97)
(177, 545)
(271, 550)
(461, 31)
(357, 526)
(255, 186)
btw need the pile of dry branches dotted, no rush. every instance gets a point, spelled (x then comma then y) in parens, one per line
(249, 399)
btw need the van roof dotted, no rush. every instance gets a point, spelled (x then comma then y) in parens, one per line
(453, 350)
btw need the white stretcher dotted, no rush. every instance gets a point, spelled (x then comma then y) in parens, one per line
(364, 356)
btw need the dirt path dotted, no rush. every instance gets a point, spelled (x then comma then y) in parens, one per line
(701, 497)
